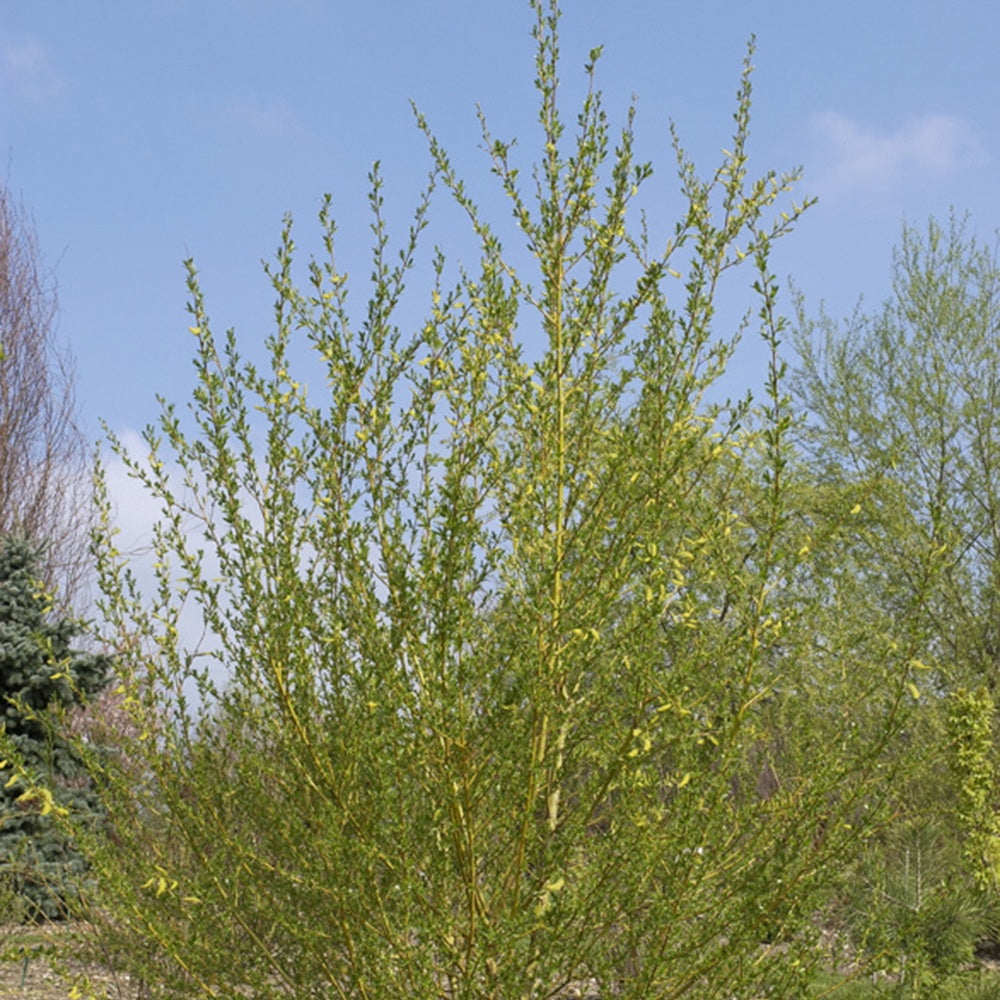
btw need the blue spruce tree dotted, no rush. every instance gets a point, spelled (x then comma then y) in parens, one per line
(41, 672)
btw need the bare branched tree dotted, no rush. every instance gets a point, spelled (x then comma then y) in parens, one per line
(44, 488)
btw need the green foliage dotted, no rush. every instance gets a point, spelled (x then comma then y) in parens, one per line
(509, 684)
(905, 404)
(40, 674)
(967, 985)
(903, 414)
(971, 720)
(915, 911)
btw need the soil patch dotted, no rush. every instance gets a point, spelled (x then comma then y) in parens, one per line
(34, 966)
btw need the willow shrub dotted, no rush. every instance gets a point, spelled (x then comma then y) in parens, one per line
(505, 688)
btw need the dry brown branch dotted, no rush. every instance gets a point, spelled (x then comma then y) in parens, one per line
(44, 490)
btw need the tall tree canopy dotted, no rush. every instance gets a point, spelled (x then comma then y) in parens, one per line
(905, 411)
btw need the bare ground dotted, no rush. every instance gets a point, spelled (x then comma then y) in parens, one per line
(33, 967)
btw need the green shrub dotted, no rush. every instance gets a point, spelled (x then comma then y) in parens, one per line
(914, 911)
(508, 685)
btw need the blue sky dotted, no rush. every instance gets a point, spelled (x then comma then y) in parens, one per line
(138, 133)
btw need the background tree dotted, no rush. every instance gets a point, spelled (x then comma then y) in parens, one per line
(40, 674)
(905, 409)
(44, 466)
(903, 424)
(504, 655)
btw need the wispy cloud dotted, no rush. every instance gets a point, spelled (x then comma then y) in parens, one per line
(269, 120)
(857, 155)
(29, 70)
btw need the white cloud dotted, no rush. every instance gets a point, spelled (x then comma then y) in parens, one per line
(856, 155)
(28, 68)
(135, 511)
(269, 120)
